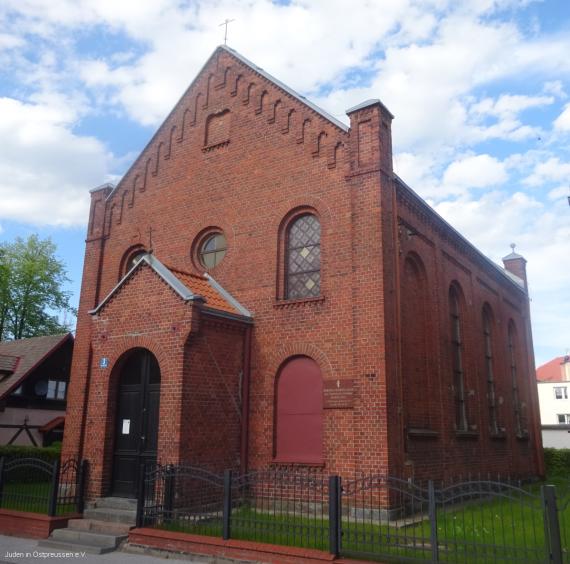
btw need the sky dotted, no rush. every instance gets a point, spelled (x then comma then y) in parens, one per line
(480, 90)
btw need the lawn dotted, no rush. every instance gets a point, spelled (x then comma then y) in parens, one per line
(32, 497)
(506, 527)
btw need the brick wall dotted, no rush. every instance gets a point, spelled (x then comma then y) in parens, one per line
(266, 157)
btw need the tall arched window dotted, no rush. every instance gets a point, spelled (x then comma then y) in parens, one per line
(303, 252)
(461, 423)
(517, 407)
(299, 412)
(489, 372)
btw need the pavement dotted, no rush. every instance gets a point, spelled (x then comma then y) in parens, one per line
(16, 550)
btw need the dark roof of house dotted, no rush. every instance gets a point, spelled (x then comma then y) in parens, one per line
(551, 371)
(29, 354)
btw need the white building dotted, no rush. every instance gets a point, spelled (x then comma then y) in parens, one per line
(554, 399)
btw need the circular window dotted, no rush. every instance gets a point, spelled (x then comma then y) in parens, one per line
(212, 250)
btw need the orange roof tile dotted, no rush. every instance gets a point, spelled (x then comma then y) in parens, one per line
(551, 371)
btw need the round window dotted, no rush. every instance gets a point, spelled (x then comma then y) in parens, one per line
(212, 250)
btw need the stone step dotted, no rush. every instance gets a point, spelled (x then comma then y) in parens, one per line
(73, 547)
(87, 538)
(112, 515)
(129, 504)
(106, 527)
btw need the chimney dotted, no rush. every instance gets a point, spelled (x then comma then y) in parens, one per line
(370, 146)
(516, 264)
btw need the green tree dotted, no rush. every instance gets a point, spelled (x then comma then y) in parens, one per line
(31, 289)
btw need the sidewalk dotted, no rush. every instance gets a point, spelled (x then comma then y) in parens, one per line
(26, 551)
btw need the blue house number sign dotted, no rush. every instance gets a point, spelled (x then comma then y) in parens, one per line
(103, 362)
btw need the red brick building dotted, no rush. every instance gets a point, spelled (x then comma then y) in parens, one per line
(340, 323)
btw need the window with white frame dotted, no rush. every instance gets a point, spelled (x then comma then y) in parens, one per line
(564, 418)
(56, 390)
(561, 392)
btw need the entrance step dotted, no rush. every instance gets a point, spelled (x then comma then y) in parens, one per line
(105, 526)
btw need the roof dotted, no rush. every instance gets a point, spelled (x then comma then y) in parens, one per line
(513, 278)
(551, 371)
(188, 286)
(53, 424)
(8, 363)
(30, 354)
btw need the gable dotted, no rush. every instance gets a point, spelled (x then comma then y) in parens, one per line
(227, 84)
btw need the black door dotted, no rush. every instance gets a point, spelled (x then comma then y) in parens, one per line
(136, 435)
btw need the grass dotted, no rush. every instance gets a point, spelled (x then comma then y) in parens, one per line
(502, 528)
(32, 497)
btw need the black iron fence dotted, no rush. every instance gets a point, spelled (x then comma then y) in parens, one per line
(40, 486)
(372, 517)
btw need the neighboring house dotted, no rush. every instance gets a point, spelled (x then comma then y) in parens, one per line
(34, 374)
(554, 397)
(261, 289)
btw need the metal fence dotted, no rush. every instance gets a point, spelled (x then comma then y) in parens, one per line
(40, 486)
(372, 517)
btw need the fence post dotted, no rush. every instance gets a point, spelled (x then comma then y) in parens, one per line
(1, 480)
(432, 510)
(141, 495)
(168, 493)
(52, 503)
(334, 515)
(227, 506)
(551, 524)
(80, 493)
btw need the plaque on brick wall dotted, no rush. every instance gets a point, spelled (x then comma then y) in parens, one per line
(338, 394)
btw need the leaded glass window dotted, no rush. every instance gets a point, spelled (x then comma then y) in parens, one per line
(514, 381)
(491, 395)
(303, 268)
(457, 361)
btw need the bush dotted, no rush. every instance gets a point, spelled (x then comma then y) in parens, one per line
(557, 461)
(45, 453)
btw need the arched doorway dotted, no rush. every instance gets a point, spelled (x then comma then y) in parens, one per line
(136, 426)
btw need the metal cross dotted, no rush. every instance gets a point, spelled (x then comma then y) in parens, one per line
(226, 22)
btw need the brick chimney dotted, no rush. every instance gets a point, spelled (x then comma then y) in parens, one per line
(516, 264)
(565, 368)
(370, 147)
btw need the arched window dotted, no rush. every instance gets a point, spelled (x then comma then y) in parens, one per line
(299, 412)
(461, 423)
(303, 263)
(130, 259)
(489, 372)
(212, 250)
(517, 407)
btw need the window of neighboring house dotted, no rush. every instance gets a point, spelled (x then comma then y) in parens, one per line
(514, 380)
(564, 418)
(561, 392)
(491, 395)
(299, 412)
(56, 390)
(461, 423)
(303, 265)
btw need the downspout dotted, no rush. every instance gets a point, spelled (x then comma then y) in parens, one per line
(245, 400)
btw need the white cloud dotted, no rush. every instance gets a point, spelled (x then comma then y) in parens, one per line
(551, 170)
(477, 171)
(45, 169)
(562, 122)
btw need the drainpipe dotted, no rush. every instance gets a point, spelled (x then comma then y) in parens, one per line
(245, 400)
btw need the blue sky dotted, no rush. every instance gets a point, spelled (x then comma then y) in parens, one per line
(480, 90)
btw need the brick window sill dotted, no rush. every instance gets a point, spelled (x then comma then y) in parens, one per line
(423, 434)
(524, 436)
(285, 462)
(285, 304)
(500, 436)
(467, 434)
